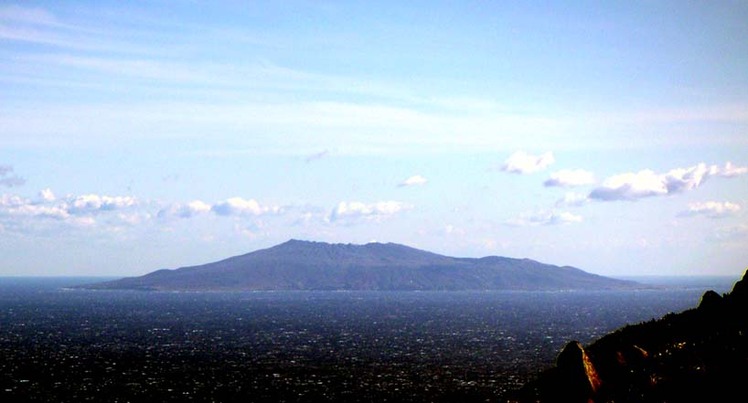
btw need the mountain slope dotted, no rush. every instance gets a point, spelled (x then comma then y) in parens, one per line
(304, 265)
(700, 355)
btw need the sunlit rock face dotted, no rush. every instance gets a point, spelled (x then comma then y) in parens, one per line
(696, 355)
(579, 380)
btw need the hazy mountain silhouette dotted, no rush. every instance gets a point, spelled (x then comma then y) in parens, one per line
(304, 265)
(700, 355)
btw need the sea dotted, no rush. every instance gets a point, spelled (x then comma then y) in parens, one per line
(59, 343)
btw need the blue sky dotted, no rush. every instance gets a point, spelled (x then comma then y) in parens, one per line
(143, 135)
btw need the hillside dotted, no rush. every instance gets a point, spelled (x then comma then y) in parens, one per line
(304, 265)
(697, 355)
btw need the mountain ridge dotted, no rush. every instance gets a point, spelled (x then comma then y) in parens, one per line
(310, 265)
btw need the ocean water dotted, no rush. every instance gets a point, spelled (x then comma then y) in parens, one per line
(62, 344)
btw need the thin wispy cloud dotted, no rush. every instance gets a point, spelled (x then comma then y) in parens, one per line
(27, 15)
(711, 209)
(731, 170)
(544, 218)
(279, 127)
(730, 234)
(8, 178)
(572, 199)
(524, 163)
(570, 178)
(317, 156)
(415, 180)
(39, 26)
(354, 210)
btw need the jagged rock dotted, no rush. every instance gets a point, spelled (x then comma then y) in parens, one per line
(741, 287)
(710, 300)
(696, 355)
(579, 380)
(739, 295)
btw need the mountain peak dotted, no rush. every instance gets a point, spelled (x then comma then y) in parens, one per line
(292, 242)
(309, 265)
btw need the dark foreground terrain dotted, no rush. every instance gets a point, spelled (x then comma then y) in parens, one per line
(79, 345)
(699, 355)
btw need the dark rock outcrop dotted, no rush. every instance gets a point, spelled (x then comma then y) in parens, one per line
(710, 300)
(303, 265)
(575, 379)
(697, 355)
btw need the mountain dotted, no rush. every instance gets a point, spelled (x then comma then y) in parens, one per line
(700, 355)
(304, 265)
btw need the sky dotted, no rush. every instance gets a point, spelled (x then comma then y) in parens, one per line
(609, 136)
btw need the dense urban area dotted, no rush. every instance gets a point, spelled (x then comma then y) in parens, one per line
(77, 345)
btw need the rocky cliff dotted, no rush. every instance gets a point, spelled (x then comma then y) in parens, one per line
(697, 355)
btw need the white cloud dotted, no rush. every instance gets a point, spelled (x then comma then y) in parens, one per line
(188, 210)
(680, 179)
(235, 206)
(197, 207)
(133, 219)
(450, 229)
(240, 206)
(378, 210)
(545, 218)
(10, 201)
(647, 183)
(47, 195)
(17, 207)
(415, 180)
(630, 186)
(570, 178)
(711, 209)
(49, 206)
(36, 210)
(572, 199)
(523, 163)
(731, 170)
(91, 203)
